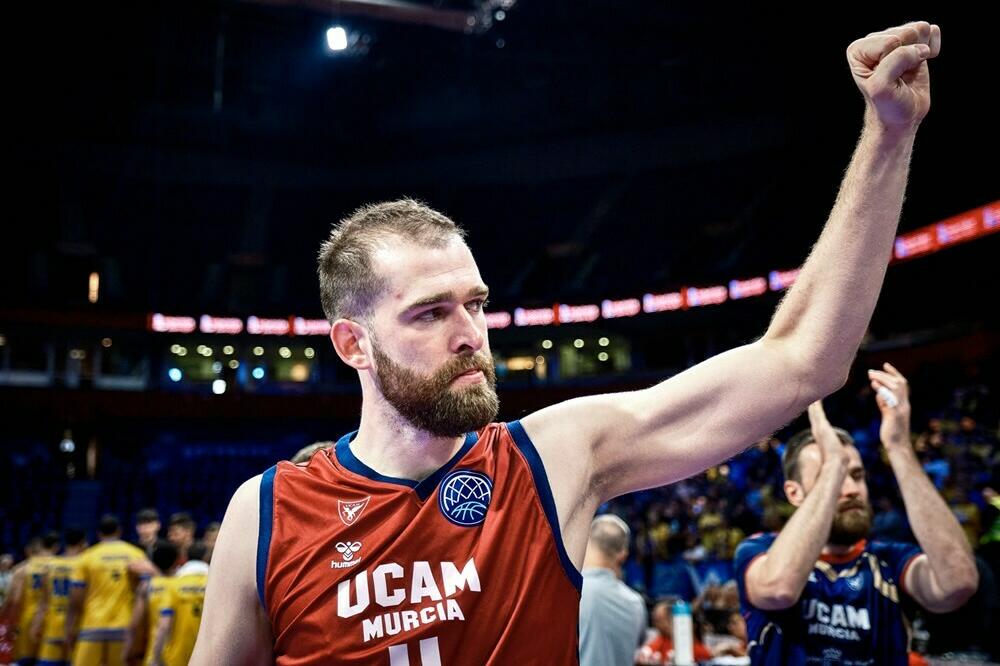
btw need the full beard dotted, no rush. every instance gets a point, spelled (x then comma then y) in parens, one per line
(430, 404)
(851, 523)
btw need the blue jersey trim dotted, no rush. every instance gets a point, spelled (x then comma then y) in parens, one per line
(423, 488)
(102, 635)
(427, 486)
(47, 662)
(350, 461)
(530, 454)
(264, 529)
(166, 612)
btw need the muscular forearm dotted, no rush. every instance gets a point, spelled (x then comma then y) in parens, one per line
(938, 532)
(827, 310)
(794, 553)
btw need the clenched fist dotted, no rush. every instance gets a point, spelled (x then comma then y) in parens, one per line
(890, 68)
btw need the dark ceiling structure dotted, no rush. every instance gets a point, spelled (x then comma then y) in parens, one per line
(196, 153)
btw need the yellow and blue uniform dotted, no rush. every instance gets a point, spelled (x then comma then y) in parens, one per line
(185, 593)
(35, 570)
(157, 605)
(103, 569)
(52, 650)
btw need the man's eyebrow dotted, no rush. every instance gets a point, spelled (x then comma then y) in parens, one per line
(445, 296)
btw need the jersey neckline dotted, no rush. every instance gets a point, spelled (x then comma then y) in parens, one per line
(423, 489)
(847, 556)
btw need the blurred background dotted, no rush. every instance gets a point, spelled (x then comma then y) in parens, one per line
(639, 181)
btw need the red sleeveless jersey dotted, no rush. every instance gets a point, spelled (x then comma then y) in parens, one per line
(466, 567)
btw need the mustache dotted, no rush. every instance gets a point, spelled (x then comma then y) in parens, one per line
(852, 504)
(462, 364)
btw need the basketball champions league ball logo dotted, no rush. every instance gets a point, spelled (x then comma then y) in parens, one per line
(464, 497)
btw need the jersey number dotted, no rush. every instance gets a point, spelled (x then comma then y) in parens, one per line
(430, 654)
(60, 587)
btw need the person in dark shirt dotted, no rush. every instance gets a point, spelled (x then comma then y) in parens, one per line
(819, 592)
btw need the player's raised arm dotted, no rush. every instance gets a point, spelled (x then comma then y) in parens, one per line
(234, 629)
(603, 446)
(944, 576)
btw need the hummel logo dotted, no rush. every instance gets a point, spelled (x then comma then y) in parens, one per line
(346, 551)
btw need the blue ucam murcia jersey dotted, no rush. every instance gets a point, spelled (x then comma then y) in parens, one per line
(849, 613)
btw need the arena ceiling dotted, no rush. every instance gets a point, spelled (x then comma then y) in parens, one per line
(196, 153)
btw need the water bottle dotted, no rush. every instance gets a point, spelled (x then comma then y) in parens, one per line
(683, 634)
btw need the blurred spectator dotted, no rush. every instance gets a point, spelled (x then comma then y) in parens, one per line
(6, 575)
(675, 576)
(211, 534)
(660, 648)
(147, 527)
(180, 532)
(306, 452)
(612, 616)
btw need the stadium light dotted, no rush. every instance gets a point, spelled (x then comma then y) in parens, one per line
(336, 38)
(219, 386)
(67, 445)
(175, 374)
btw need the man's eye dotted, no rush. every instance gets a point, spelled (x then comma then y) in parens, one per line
(478, 306)
(430, 315)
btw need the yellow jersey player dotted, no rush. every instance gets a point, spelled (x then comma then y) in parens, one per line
(26, 592)
(102, 592)
(180, 620)
(51, 614)
(151, 599)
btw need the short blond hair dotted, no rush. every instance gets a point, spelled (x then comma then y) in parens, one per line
(348, 282)
(306, 452)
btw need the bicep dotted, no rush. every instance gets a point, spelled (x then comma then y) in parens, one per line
(234, 628)
(679, 427)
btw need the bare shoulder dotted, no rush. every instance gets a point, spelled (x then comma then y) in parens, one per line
(241, 523)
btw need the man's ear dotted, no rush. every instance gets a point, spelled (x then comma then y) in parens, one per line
(795, 493)
(346, 336)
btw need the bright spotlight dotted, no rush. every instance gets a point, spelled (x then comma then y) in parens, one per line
(219, 386)
(336, 38)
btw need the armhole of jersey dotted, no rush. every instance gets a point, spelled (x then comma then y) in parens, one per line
(264, 530)
(544, 491)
